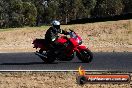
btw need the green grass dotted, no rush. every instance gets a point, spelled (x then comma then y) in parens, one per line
(26, 27)
(65, 27)
(8, 29)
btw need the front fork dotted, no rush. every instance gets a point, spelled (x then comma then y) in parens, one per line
(78, 49)
(73, 52)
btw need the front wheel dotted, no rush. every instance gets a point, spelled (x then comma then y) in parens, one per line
(85, 56)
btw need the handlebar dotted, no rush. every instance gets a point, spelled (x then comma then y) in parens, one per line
(71, 30)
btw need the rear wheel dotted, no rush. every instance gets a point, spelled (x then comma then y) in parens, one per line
(50, 57)
(65, 58)
(85, 56)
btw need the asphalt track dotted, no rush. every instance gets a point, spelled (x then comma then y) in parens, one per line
(115, 61)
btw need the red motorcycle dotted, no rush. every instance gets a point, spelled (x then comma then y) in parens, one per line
(72, 46)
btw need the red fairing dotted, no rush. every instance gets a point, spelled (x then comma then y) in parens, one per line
(82, 48)
(61, 40)
(74, 42)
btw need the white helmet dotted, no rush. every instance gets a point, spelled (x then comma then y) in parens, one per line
(56, 24)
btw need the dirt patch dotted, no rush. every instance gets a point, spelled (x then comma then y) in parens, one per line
(48, 80)
(104, 36)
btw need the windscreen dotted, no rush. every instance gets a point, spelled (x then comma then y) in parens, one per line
(73, 35)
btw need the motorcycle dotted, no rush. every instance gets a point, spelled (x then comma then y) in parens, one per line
(71, 47)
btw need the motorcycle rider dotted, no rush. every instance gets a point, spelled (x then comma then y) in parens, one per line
(52, 34)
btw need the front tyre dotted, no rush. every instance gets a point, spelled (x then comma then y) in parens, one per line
(85, 56)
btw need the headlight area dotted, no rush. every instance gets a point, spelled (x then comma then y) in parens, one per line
(79, 41)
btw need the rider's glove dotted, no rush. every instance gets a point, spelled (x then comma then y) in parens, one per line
(68, 33)
(53, 39)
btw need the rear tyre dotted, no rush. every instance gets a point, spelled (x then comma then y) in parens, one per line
(85, 56)
(49, 59)
(65, 58)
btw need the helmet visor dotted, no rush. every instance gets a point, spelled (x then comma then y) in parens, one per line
(57, 26)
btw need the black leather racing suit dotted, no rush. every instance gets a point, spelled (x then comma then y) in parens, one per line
(52, 34)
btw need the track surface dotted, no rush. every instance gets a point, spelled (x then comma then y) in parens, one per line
(101, 62)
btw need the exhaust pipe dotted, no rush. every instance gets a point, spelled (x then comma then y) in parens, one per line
(40, 55)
